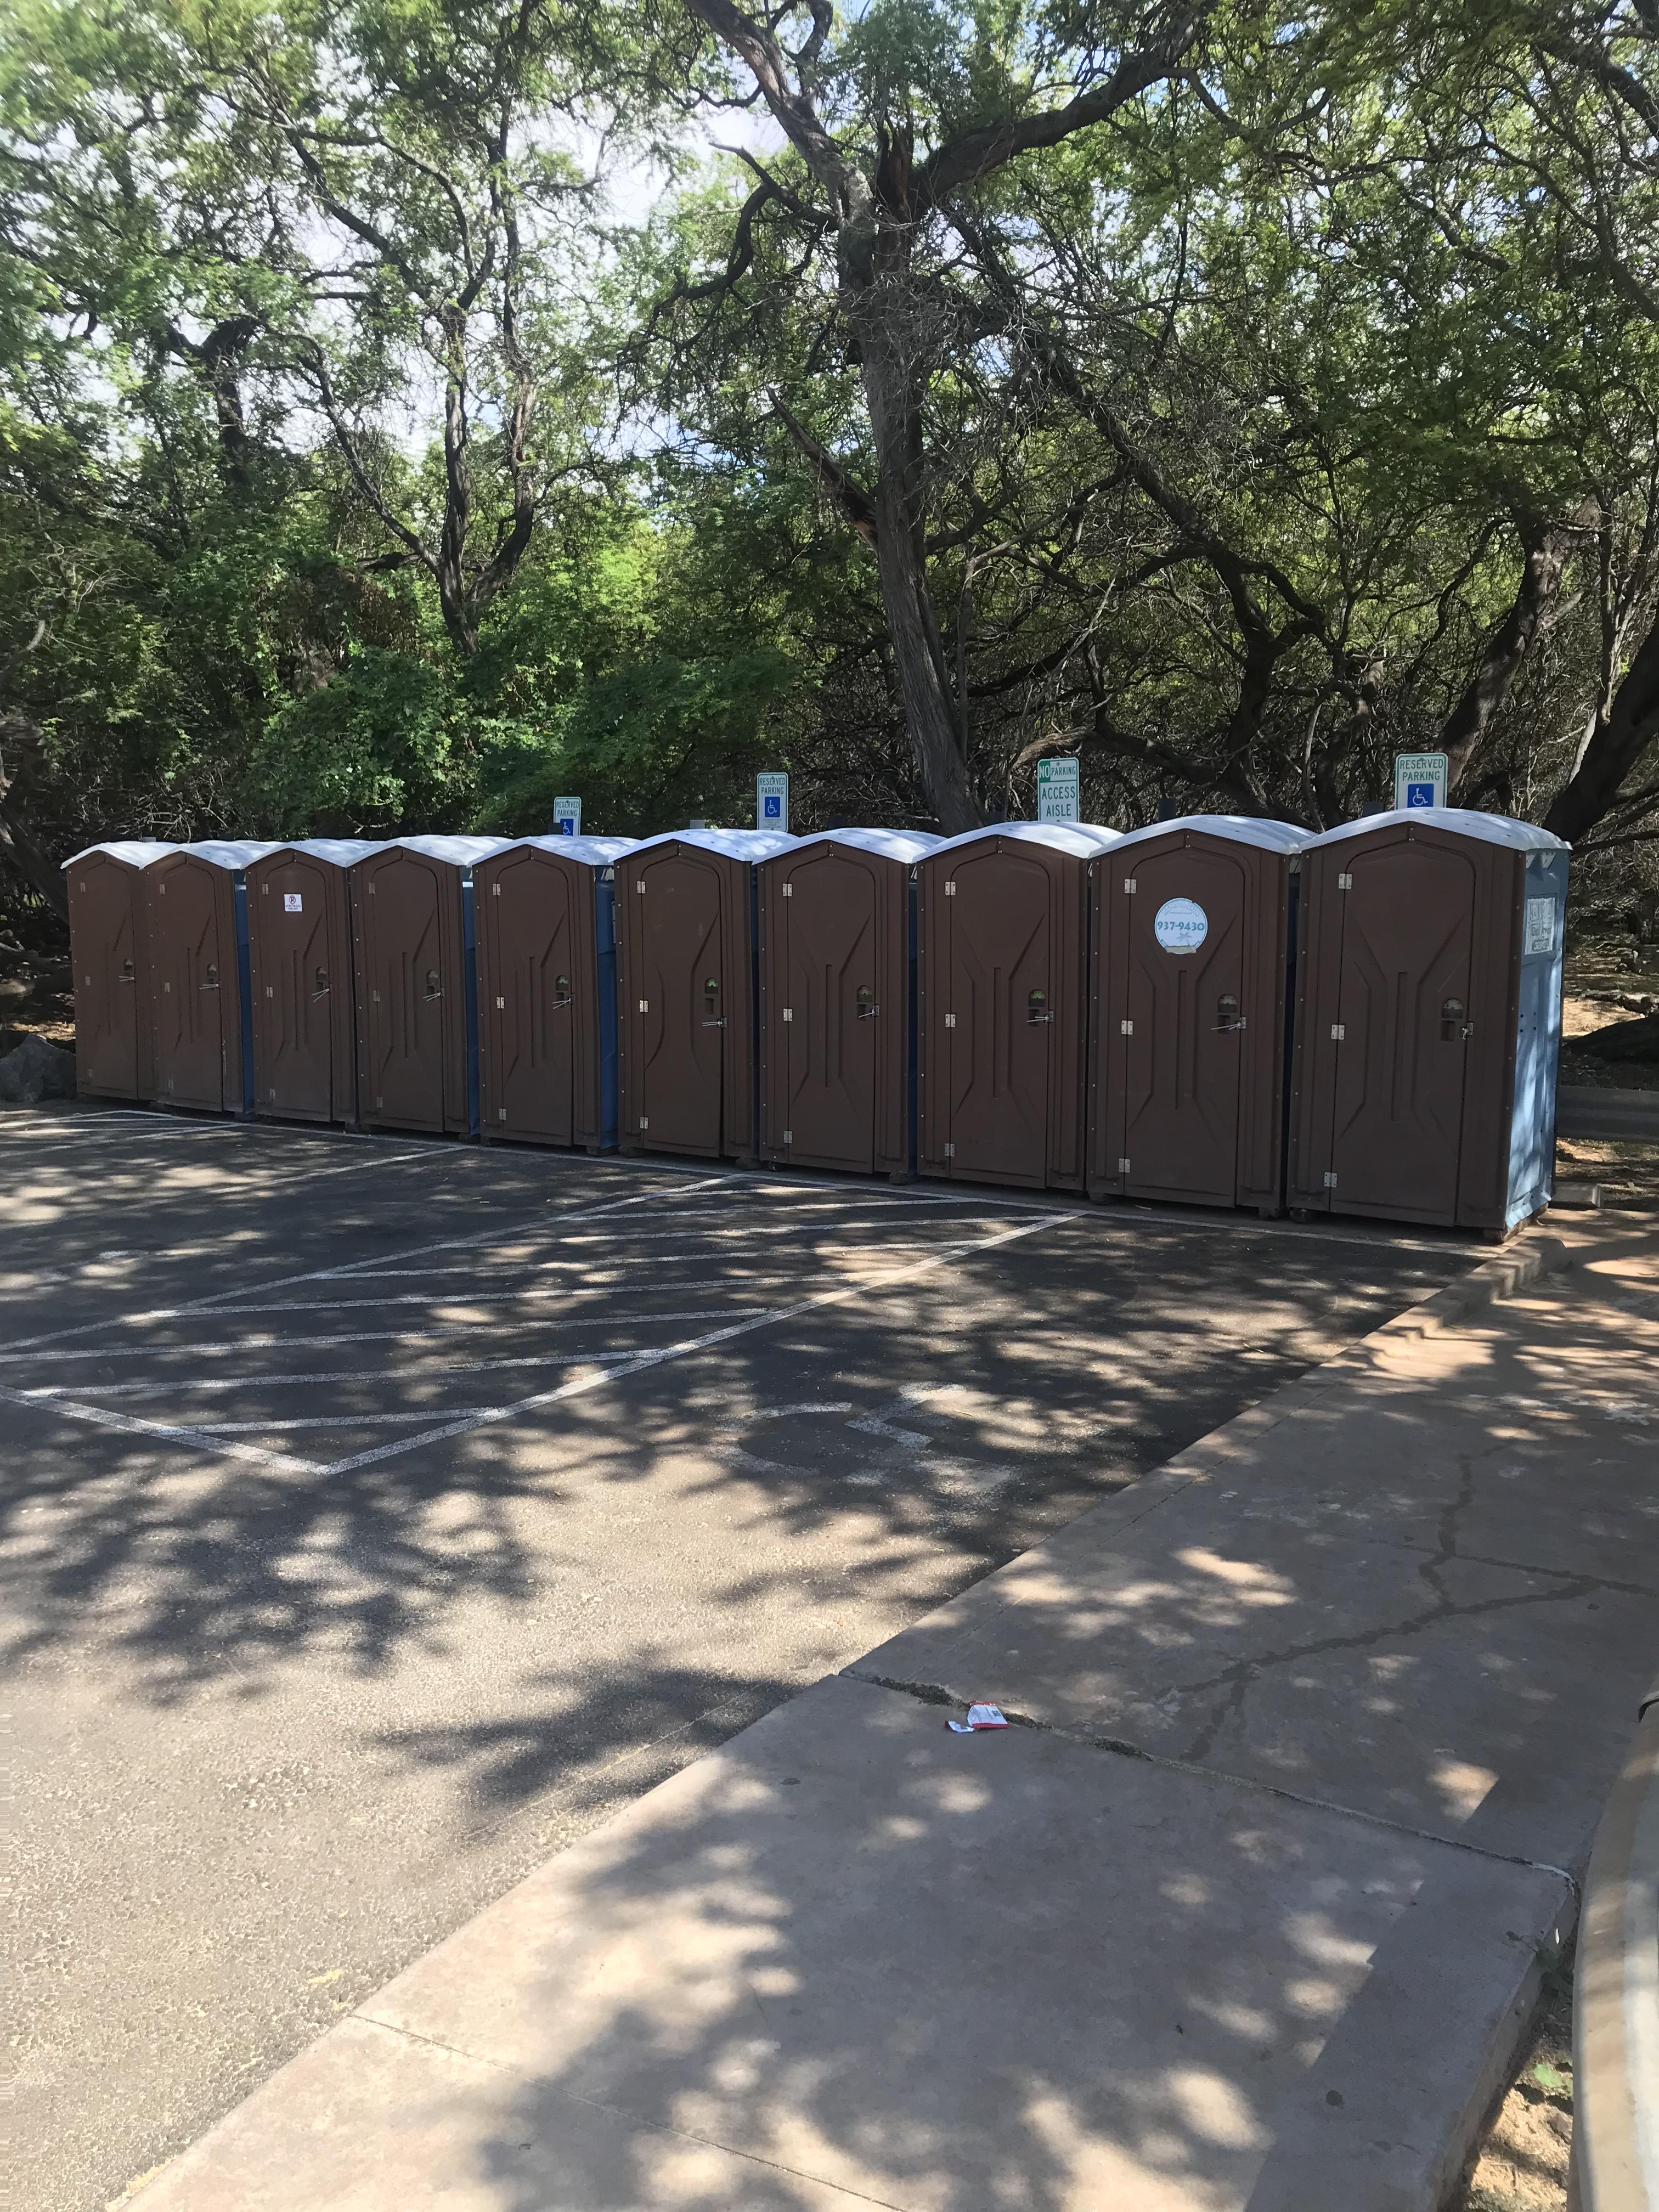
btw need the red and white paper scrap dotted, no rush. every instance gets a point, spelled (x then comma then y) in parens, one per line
(979, 1716)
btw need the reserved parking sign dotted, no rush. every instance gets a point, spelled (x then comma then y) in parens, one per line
(1419, 779)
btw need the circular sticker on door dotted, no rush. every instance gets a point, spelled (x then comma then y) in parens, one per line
(1181, 925)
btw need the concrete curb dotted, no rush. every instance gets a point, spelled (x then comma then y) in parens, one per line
(1504, 1276)
(1584, 1109)
(1615, 2025)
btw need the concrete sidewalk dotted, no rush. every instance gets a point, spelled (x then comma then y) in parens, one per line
(1319, 1718)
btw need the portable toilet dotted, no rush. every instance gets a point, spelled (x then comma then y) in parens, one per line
(685, 985)
(412, 923)
(545, 911)
(300, 972)
(201, 1007)
(109, 943)
(1190, 940)
(1428, 1019)
(837, 1001)
(1002, 918)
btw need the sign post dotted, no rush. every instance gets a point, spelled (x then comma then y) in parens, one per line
(1419, 779)
(772, 802)
(566, 817)
(1057, 791)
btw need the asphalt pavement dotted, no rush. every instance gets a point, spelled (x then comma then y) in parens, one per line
(383, 1515)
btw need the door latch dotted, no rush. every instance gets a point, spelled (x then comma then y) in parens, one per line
(1037, 1009)
(865, 1011)
(434, 985)
(1453, 1026)
(1227, 1015)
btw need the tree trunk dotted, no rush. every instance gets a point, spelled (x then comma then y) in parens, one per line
(1631, 724)
(1532, 611)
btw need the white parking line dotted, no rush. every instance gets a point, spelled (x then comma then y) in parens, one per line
(483, 1417)
(529, 1290)
(213, 1299)
(130, 1424)
(495, 1326)
(44, 1393)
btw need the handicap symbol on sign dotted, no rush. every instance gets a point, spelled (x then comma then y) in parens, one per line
(1420, 794)
(773, 806)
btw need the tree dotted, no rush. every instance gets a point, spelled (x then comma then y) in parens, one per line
(979, 92)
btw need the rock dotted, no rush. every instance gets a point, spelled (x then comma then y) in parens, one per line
(35, 1070)
(1637, 1040)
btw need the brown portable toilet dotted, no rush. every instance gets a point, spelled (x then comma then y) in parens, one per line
(300, 973)
(1428, 1020)
(201, 1012)
(685, 988)
(109, 950)
(1002, 916)
(412, 923)
(545, 909)
(1189, 959)
(837, 1001)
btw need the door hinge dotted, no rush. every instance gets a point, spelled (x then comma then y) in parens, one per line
(495, 891)
(375, 996)
(1330, 1180)
(1123, 1167)
(502, 1003)
(1339, 1030)
(788, 1136)
(1129, 885)
(788, 892)
(950, 1151)
(1126, 1029)
(644, 1123)
(789, 1013)
(949, 1021)
(265, 892)
(640, 888)
(379, 1102)
(272, 1094)
(1345, 881)
(270, 993)
(370, 891)
(501, 1113)
(645, 1008)
(951, 887)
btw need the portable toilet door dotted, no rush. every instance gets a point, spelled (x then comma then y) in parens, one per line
(1428, 1019)
(109, 945)
(411, 910)
(836, 1006)
(547, 991)
(685, 986)
(196, 908)
(1003, 1019)
(305, 1045)
(1190, 948)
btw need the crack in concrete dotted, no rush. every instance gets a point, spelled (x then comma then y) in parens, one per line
(1240, 1678)
(936, 1693)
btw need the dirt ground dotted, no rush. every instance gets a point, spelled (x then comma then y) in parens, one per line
(1605, 982)
(1522, 2166)
(36, 993)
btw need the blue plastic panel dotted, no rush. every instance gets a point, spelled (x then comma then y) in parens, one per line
(244, 989)
(1538, 1036)
(470, 972)
(605, 936)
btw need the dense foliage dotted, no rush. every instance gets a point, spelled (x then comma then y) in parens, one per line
(412, 408)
